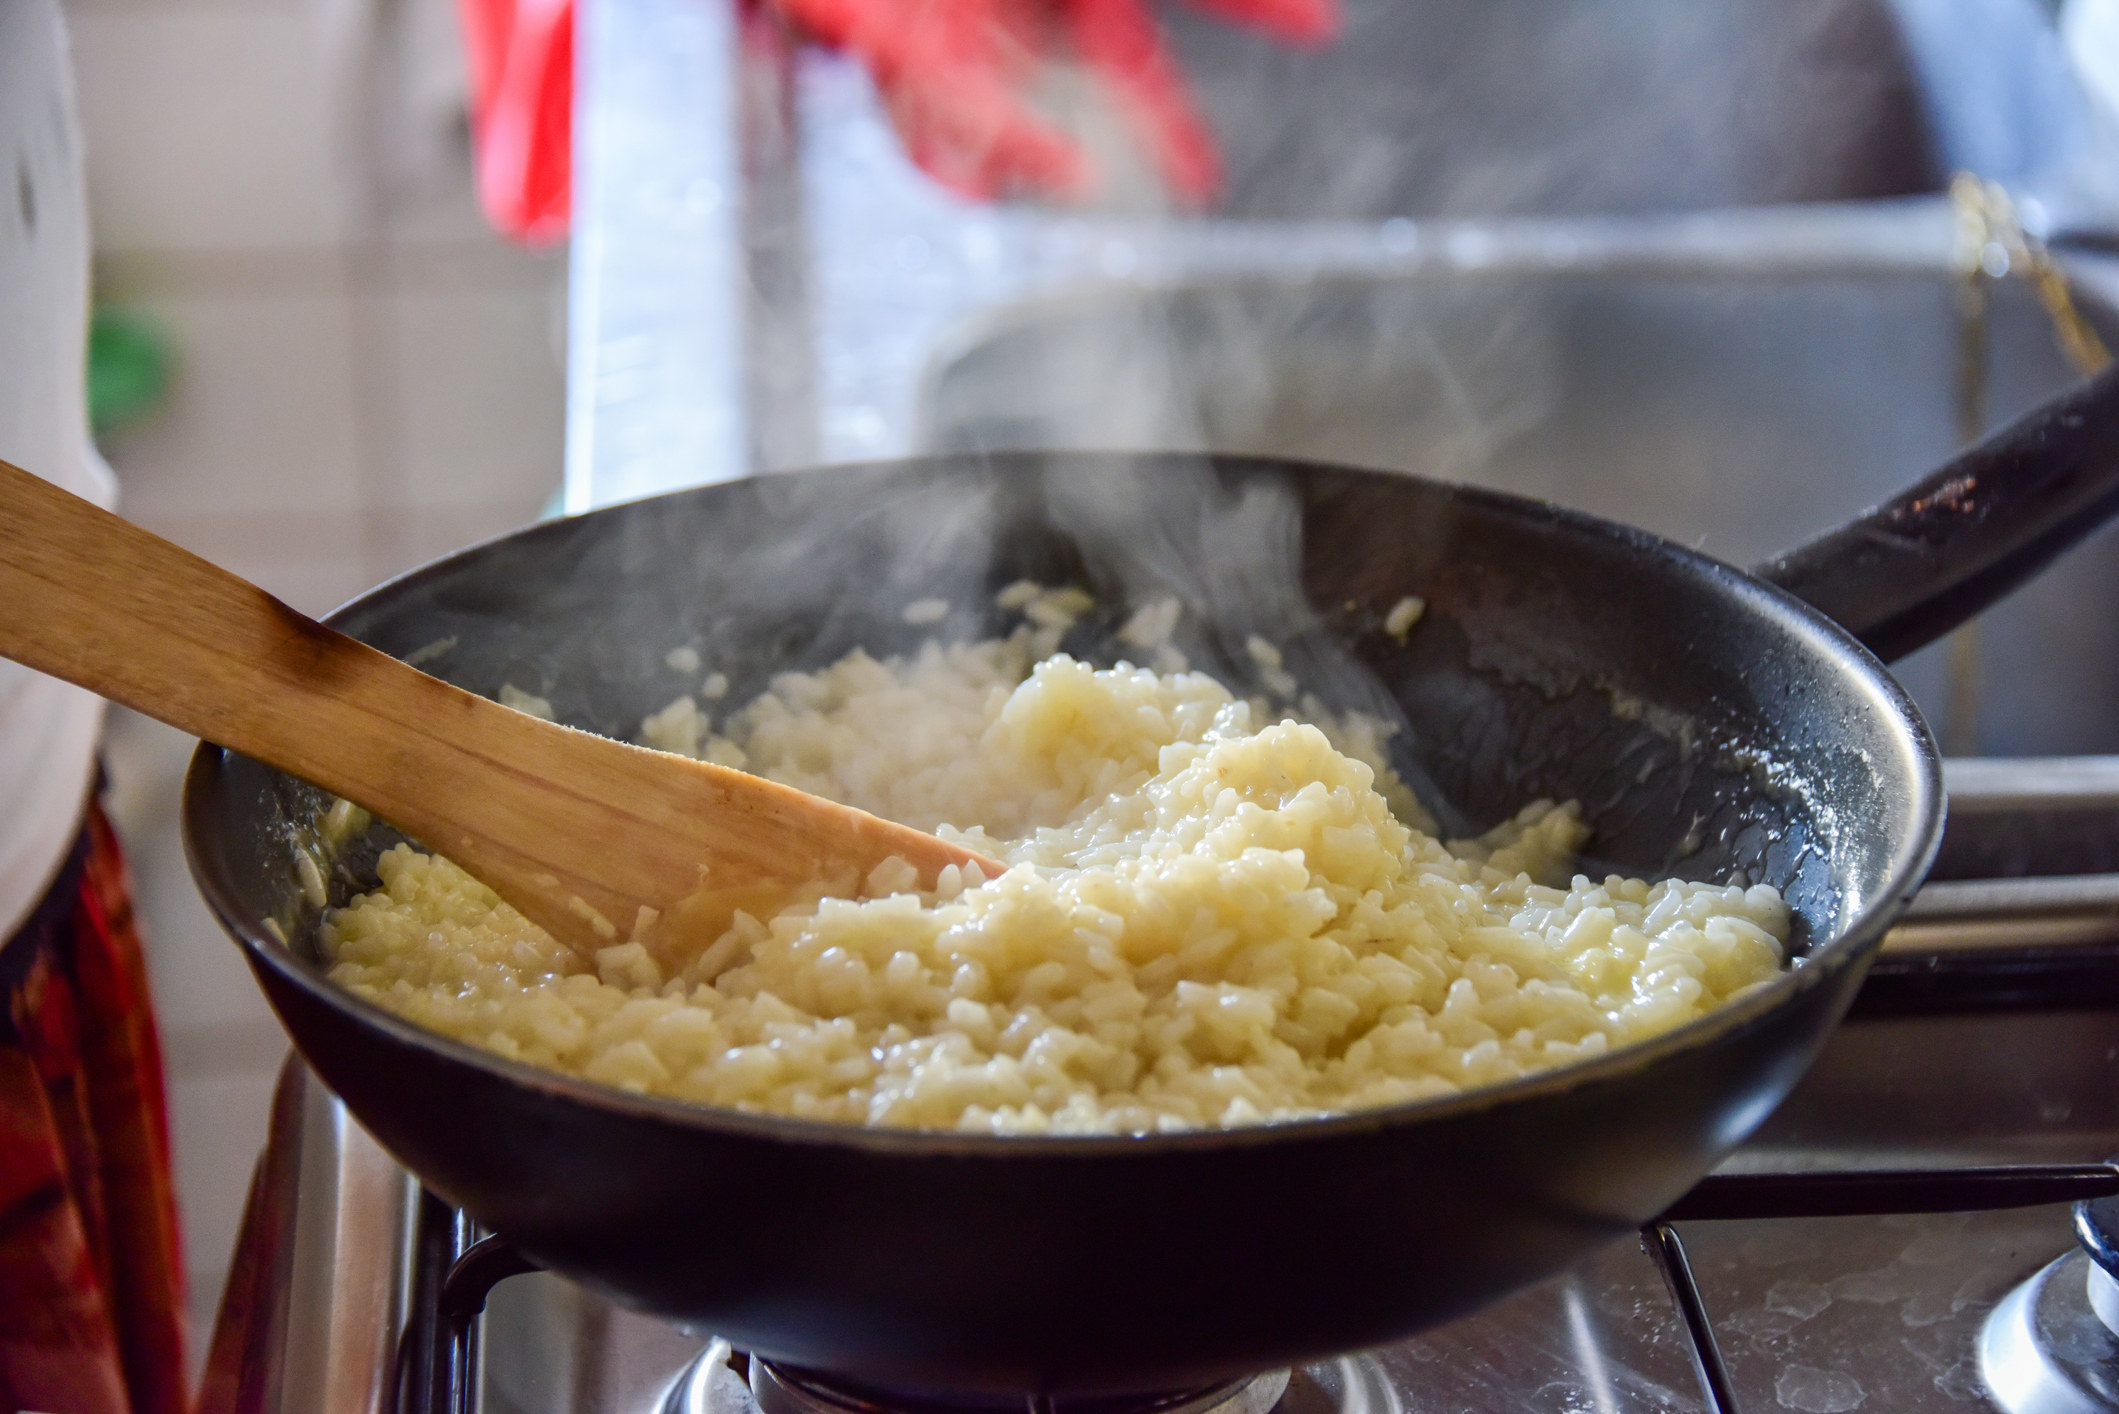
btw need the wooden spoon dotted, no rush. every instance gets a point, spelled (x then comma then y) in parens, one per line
(577, 831)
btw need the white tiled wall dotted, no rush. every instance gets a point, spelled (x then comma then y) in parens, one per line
(364, 379)
(163, 86)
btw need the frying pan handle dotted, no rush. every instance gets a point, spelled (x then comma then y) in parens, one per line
(1906, 572)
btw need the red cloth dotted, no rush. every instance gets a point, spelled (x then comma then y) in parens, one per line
(91, 1285)
(951, 71)
(522, 111)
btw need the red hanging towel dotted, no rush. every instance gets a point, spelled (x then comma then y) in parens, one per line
(522, 104)
(952, 73)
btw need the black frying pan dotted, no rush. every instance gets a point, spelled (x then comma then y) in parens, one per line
(1712, 723)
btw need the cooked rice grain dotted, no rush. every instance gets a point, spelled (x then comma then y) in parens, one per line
(1205, 921)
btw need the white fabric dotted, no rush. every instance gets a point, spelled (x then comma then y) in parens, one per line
(47, 729)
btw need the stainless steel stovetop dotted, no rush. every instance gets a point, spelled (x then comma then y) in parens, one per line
(1989, 1035)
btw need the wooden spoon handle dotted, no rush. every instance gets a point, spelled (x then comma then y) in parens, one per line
(577, 831)
(96, 600)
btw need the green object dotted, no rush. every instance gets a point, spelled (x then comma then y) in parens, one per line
(128, 369)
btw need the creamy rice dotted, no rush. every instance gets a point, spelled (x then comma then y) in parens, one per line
(1210, 916)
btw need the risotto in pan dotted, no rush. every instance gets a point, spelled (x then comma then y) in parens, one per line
(1211, 915)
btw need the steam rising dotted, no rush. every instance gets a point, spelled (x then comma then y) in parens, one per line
(1173, 548)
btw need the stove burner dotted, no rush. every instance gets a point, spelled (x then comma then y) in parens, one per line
(2045, 1351)
(2052, 1345)
(711, 1386)
(2097, 1229)
(781, 1389)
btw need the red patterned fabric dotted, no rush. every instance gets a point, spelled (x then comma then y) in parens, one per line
(91, 1284)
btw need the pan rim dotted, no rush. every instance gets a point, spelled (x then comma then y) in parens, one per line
(1853, 946)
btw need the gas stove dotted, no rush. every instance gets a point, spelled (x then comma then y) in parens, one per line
(1927, 1223)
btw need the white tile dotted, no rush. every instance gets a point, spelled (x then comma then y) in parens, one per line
(130, 277)
(224, 1047)
(439, 213)
(210, 126)
(75, 9)
(145, 763)
(413, 101)
(312, 562)
(195, 970)
(482, 392)
(478, 260)
(196, 974)
(430, 535)
(260, 415)
(218, 1125)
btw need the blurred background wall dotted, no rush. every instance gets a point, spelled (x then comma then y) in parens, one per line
(361, 377)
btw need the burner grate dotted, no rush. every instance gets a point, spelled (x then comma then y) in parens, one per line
(458, 1265)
